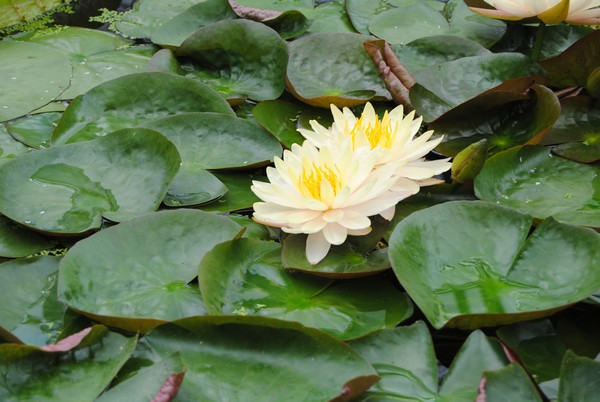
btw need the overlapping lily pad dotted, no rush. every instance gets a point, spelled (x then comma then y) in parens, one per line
(405, 359)
(270, 358)
(34, 130)
(79, 371)
(533, 181)
(147, 16)
(140, 270)
(444, 86)
(16, 241)
(95, 56)
(527, 110)
(30, 311)
(9, 147)
(576, 131)
(176, 30)
(212, 141)
(416, 20)
(32, 76)
(69, 189)
(472, 264)
(245, 276)
(239, 58)
(132, 101)
(327, 68)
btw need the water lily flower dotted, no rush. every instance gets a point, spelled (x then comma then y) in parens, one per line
(327, 193)
(394, 134)
(580, 12)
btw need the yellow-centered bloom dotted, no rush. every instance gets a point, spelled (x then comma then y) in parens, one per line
(579, 12)
(327, 193)
(395, 134)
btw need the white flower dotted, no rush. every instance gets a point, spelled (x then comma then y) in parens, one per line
(394, 134)
(583, 12)
(327, 193)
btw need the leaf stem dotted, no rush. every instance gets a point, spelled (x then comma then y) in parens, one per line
(539, 39)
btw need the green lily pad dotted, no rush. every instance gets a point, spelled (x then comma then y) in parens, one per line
(33, 75)
(30, 311)
(131, 101)
(532, 181)
(343, 261)
(444, 86)
(265, 359)
(77, 374)
(69, 189)
(16, 241)
(245, 276)
(503, 125)
(576, 130)
(424, 52)
(278, 5)
(564, 72)
(95, 56)
(511, 383)
(283, 118)
(327, 68)
(212, 141)
(173, 32)
(361, 12)
(578, 378)
(405, 359)
(239, 196)
(35, 130)
(538, 347)
(329, 17)
(404, 24)
(472, 264)
(9, 147)
(140, 270)
(147, 16)
(146, 383)
(239, 58)
(11, 13)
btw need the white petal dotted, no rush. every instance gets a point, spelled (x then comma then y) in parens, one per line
(388, 213)
(317, 247)
(354, 220)
(359, 232)
(335, 233)
(333, 215)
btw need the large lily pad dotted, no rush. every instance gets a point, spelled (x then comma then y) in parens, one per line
(578, 378)
(327, 68)
(212, 141)
(533, 181)
(445, 85)
(406, 23)
(239, 58)
(30, 311)
(257, 358)
(69, 189)
(473, 264)
(132, 101)
(405, 359)
(78, 373)
(140, 270)
(245, 276)
(33, 75)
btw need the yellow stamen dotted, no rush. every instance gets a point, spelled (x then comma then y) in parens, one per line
(312, 175)
(379, 134)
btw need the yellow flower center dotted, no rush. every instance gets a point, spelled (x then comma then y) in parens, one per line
(379, 133)
(312, 176)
